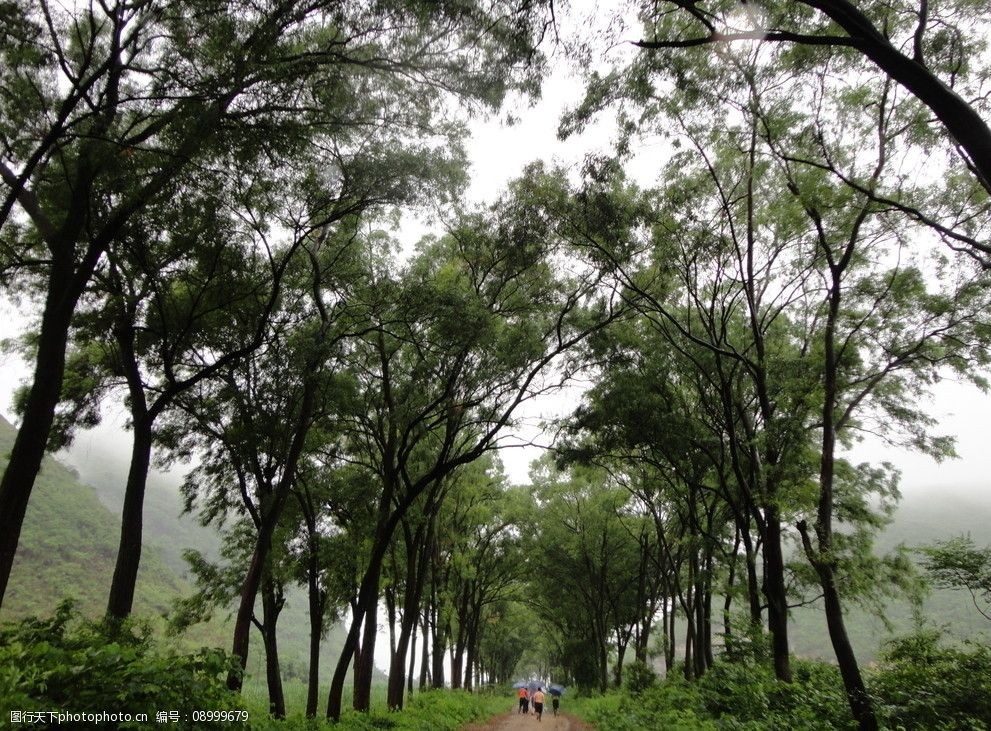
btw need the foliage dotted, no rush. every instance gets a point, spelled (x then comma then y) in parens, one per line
(437, 710)
(729, 696)
(639, 677)
(674, 704)
(958, 563)
(923, 685)
(64, 663)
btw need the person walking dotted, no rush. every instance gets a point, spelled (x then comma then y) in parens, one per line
(538, 703)
(555, 703)
(522, 695)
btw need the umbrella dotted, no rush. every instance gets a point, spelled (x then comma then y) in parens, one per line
(521, 684)
(556, 689)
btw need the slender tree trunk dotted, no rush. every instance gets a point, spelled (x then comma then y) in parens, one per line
(425, 656)
(416, 567)
(317, 607)
(249, 592)
(853, 682)
(602, 669)
(457, 659)
(364, 615)
(667, 622)
(125, 576)
(366, 664)
(689, 642)
(823, 559)
(620, 654)
(753, 585)
(390, 613)
(412, 660)
(776, 595)
(441, 632)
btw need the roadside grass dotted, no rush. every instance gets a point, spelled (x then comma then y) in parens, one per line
(432, 710)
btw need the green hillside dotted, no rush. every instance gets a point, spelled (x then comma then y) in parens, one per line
(164, 525)
(921, 518)
(68, 546)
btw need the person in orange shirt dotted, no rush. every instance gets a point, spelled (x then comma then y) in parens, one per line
(524, 700)
(538, 702)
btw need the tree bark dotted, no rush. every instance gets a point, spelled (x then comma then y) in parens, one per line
(425, 656)
(121, 599)
(776, 595)
(271, 608)
(29, 446)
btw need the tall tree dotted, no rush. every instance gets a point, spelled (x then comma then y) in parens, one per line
(931, 49)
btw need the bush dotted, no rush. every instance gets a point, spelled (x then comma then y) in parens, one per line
(922, 685)
(639, 677)
(748, 696)
(74, 666)
(674, 704)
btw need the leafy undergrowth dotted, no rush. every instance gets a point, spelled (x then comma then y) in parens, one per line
(440, 710)
(65, 664)
(919, 685)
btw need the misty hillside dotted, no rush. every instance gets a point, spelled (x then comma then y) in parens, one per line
(68, 547)
(69, 544)
(922, 517)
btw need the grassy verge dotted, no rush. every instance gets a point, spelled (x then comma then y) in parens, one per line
(434, 710)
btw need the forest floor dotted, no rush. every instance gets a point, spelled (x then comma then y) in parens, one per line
(514, 721)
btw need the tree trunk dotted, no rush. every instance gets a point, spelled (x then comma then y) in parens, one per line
(249, 592)
(457, 659)
(853, 682)
(776, 595)
(125, 576)
(317, 607)
(366, 664)
(271, 608)
(412, 660)
(823, 559)
(39, 413)
(425, 650)
(620, 654)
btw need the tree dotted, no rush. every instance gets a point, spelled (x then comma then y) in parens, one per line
(464, 336)
(958, 563)
(929, 49)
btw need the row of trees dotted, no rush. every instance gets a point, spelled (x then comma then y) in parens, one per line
(193, 197)
(193, 202)
(791, 296)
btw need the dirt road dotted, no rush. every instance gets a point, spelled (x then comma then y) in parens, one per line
(518, 722)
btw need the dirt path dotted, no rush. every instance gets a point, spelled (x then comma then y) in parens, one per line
(518, 722)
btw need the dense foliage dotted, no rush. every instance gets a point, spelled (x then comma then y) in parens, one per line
(67, 664)
(920, 684)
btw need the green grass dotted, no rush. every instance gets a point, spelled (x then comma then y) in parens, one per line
(433, 710)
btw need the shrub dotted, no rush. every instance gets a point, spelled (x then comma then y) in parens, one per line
(923, 685)
(639, 677)
(66, 664)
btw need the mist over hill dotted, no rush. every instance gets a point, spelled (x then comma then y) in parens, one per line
(922, 517)
(68, 548)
